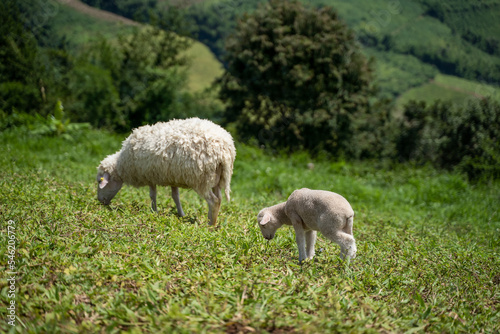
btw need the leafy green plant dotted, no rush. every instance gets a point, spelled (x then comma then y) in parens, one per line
(58, 124)
(296, 78)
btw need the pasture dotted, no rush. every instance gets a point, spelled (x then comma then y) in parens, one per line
(428, 248)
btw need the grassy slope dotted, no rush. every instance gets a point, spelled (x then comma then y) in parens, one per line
(204, 67)
(81, 28)
(428, 249)
(447, 87)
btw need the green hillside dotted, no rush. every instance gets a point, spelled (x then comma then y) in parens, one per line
(475, 21)
(204, 67)
(411, 46)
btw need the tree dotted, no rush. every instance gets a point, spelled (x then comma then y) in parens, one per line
(139, 79)
(18, 51)
(296, 78)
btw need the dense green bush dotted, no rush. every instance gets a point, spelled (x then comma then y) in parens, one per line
(296, 79)
(464, 136)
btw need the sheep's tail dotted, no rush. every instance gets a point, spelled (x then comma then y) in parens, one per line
(225, 178)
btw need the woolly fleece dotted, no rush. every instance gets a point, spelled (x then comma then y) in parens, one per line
(190, 153)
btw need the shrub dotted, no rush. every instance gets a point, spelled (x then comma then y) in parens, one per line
(296, 78)
(463, 136)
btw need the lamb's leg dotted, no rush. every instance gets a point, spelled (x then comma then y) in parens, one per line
(348, 226)
(175, 196)
(300, 236)
(346, 242)
(310, 242)
(152, 195)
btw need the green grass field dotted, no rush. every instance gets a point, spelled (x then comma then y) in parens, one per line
(428, 249)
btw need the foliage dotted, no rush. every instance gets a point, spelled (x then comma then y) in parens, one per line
(137, 78)
(428, 249)
(18, 67)
(462, 43)
(476, 22)
(396, 74)
(55, 124)
(215, 21)
(448, 135)
(295, 78)
(121, 84)
(137, 81)
(59, 124)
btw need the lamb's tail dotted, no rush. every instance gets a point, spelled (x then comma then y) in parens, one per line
(226, 174)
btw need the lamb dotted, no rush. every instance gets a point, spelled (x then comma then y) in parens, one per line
(309, 211)
(190, 153)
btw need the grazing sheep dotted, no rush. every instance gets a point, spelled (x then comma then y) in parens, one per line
(190, 153)
(309, 211)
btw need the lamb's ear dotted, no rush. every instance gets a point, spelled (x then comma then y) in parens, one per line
(266, 219)
(104, 180)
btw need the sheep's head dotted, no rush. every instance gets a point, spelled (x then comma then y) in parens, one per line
(107, 187)
(268, 224)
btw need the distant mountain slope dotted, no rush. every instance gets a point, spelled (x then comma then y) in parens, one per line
(478, 22)
(97, 13)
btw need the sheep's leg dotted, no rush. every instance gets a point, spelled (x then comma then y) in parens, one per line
(218, 202)
(152, 195)
(175, 196)
(310, 242)
(213, 207)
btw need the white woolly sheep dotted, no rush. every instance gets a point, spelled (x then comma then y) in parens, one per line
(190, 153)
(309, 211)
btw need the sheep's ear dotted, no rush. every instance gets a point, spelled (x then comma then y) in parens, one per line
(104, 180)
(266, 219)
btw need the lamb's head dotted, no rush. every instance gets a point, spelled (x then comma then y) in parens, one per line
(268, 223)
(107, 186)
